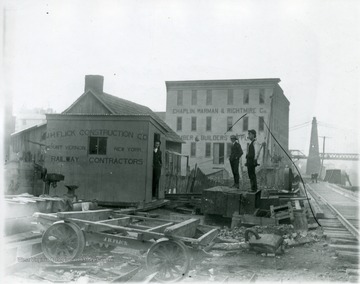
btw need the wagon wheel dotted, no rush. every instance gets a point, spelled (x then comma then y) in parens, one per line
(63, 242)
(170, 259)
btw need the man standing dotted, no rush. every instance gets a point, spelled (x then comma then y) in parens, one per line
(251, 159)
(235, 154)
(157, 164)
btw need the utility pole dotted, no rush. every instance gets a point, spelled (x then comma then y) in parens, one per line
(323, 155)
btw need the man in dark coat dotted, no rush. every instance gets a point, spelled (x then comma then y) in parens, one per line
(157, 164)
(235, 154)
(251, 159)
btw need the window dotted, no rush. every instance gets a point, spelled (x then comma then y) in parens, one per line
(194, 97)
(229, 123)
(208, 123)
(180, 98)
(246, 96)
(228, 149)
(97, 145)
(230, 98)
(193, 149)
(193, 123)
(245, 124)
(218, 153)
(179, 123)
(207, 149)
(261, 123)
(262, 96)
(208, 97)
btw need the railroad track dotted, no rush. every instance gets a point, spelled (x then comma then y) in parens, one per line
(339, 218)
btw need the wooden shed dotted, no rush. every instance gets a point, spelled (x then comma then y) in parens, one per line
(104, 145)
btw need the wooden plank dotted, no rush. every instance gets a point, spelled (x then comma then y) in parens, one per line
(119, 241)
(147, 218)
(92, 215)
(160, 227)
(250, 219)
(297, 205)
(342, 241)
(23, 243)
(124, 221)
(139, 226)
(293, 198)
(90, 226)
(334, 229)
(184, 229)
(21, 237)
(208, 237)
(353, 248)
(46, 216)
(343, 236)
(318, 212)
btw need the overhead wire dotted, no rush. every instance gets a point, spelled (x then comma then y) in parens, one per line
(295, 126)
(302, 181)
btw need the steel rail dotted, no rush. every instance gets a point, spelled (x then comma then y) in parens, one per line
(352, 229)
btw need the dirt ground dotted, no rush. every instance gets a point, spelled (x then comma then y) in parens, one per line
(307, 257)
(310, 262)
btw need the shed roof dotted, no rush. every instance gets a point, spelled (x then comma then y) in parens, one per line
(118, 106)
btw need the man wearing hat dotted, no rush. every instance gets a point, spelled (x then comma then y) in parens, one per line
(251, 159)
(235, 154)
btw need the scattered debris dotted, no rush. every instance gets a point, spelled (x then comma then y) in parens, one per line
(231, 246)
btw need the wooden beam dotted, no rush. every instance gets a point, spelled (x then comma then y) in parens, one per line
(159, 228)
(91, 215)
(208, 237)
(96, 226)
(184, 229)
(139, 227)
(297, 205)
(147, 218)
(124, 221)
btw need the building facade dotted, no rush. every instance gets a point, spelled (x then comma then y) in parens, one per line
(26, 118)
(206, 113)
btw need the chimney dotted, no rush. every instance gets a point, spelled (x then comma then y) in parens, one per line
(94, 83)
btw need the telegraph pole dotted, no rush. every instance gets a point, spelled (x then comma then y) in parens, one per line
(323, 155)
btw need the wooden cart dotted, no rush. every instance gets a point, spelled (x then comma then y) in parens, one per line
(169, 244)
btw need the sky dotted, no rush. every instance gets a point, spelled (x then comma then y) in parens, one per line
(312, 46)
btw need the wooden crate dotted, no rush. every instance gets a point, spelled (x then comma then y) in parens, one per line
(282, 212)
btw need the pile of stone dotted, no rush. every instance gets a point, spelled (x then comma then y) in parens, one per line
(287, 231)
(302, 238)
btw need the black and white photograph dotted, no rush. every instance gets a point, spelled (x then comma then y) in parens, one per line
(178, 141)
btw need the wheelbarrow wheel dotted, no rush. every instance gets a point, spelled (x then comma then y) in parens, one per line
(63, 242)
(170, 259)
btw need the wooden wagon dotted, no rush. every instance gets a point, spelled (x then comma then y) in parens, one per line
(170, 245)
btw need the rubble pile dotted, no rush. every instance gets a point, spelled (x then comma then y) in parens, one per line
(303, 238)
(287, 231)
(237, 233)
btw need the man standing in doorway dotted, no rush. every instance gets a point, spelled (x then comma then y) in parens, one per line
(235, 154)
(251, 159)
(157, 164)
